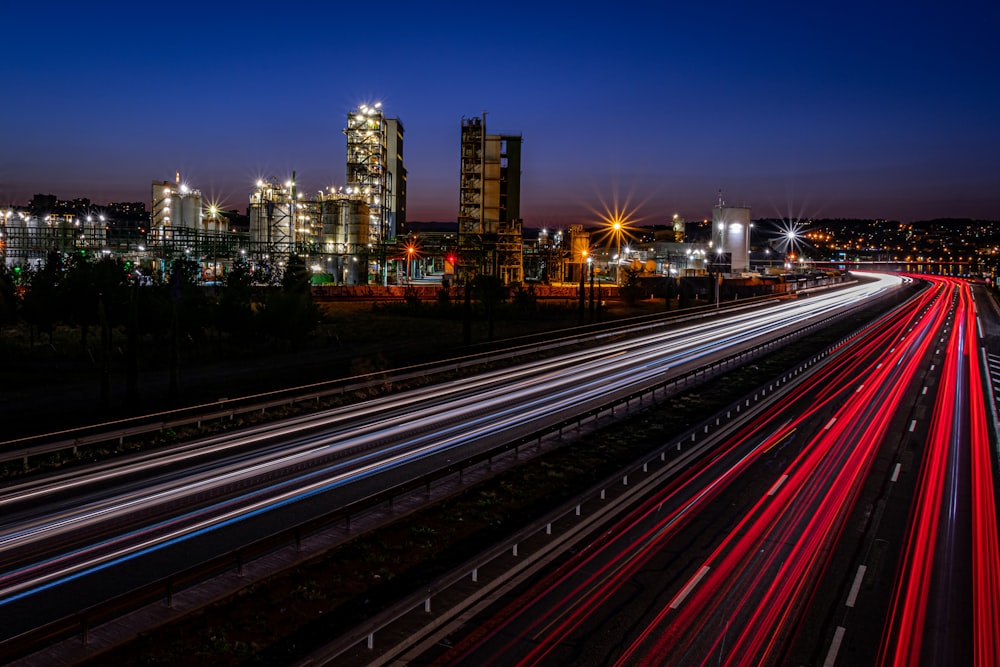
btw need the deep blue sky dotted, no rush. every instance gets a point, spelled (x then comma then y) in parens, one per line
(800, 109)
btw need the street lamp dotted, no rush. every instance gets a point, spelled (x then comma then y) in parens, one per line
(617, 221)
(791, 237)
(718, 275)
(616, 227)
(410, 250)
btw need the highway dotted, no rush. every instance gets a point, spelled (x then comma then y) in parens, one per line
(950, 579)
(771, 550)
(72, 539)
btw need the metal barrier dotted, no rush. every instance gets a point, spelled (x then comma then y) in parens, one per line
(164, 589)
(230, 408)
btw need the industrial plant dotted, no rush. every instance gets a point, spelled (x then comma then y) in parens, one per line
(357, 234)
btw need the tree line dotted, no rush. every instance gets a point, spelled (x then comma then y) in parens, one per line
(119, 314)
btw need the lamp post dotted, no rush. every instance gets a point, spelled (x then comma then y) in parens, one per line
(583, 274)
(718, 277)
(791, 238)
(617, 228)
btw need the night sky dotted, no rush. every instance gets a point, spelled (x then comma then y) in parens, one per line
(810, 109)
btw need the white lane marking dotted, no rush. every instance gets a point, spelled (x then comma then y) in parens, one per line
(688, 587)
(829, 424)
(777, 485)
(852, 597)
(895, 473)
(831, 657)
(913, 425)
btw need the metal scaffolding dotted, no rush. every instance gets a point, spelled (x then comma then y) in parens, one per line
(272, 217)
(366, 165)
(489, 223)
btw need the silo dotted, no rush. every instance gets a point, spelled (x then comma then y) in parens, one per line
(355, 221)
(187, 210)
(333, 235)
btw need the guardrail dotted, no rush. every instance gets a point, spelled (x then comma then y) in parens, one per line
(164, 589)
(682, 449)
(229, 408)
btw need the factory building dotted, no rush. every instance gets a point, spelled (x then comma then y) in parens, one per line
(331, 231)
(489, 214)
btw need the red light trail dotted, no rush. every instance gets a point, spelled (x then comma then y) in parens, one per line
(953, 428)
(741, 603)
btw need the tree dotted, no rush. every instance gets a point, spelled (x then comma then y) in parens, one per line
(289, 313)
(686, 290)
(630, 291)
(8, 297)
(235, 311)
(295, 278)
(41, 300)
(489, 291)
(81, 297)
(188, 313)
(87, 283)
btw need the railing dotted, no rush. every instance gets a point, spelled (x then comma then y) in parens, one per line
(682, 450)
(164, 589)
(227, 409)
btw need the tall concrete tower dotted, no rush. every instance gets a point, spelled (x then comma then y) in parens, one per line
(489, 209)
(731, 233)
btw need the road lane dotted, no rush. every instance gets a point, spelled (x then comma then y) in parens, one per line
(103, 526)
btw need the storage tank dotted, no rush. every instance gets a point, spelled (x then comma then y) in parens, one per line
(270, 224)
(187, 210)
(344, 224)
(355, 220)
